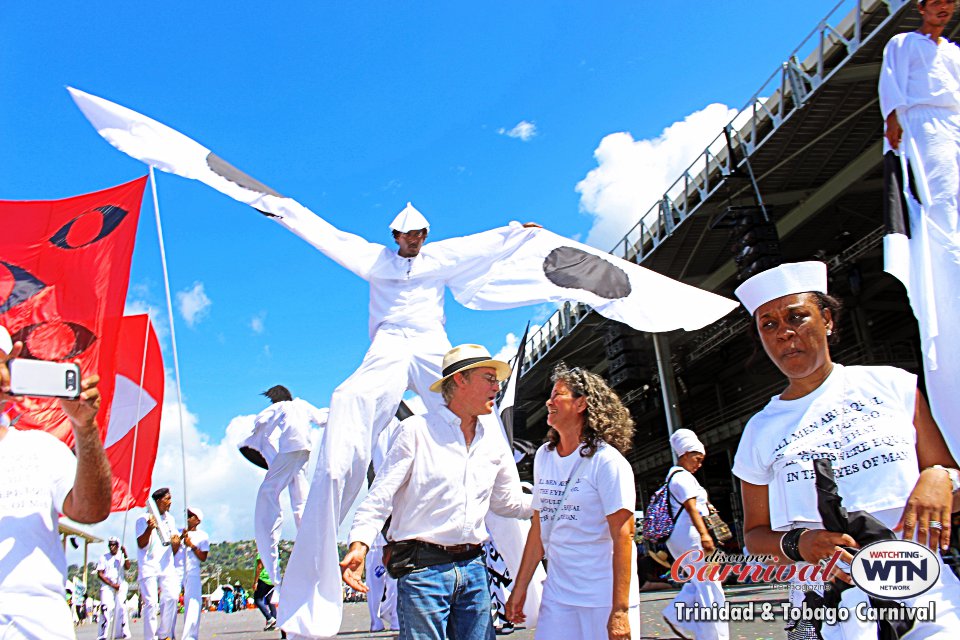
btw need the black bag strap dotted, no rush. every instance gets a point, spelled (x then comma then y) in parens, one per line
(670, 495)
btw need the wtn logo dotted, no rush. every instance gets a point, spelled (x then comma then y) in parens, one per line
(902, 570)
(895, 569)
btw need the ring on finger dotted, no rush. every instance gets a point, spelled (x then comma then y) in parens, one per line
(935, 524)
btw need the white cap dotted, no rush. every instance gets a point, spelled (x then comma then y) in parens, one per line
(113, 539)
(409, 220)
(683, 441)
(195, 511)
(6, 343)
(785, 280)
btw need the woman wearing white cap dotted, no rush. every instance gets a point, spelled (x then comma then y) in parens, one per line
(583, 499)
(689, 499)
(862, 433)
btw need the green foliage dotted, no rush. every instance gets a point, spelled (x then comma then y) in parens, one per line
(227, 563)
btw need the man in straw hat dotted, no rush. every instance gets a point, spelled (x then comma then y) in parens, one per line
(443, 472)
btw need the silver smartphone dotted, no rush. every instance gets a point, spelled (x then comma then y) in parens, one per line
(45, 379)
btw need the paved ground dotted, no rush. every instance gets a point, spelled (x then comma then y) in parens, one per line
(248, 625)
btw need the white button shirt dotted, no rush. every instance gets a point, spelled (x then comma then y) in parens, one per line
(918, 71)
(438, 489)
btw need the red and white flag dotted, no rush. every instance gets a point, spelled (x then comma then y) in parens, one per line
(64, 270)
(134, 427)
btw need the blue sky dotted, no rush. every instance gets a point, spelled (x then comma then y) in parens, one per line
(480, 113)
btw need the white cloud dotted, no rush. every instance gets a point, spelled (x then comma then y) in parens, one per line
(632, 175)
(509, 348)
(523, 130)
(511, 343)
(256, 323)
(193, 304)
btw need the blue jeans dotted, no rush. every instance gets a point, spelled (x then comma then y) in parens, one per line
(446, 601)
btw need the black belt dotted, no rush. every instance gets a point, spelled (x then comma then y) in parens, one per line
(464, 550)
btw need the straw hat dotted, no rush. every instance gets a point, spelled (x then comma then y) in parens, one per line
(469, 356)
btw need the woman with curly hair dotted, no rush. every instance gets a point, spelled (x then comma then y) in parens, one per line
(583, 500)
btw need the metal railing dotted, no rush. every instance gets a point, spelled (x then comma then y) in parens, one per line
(784, 93)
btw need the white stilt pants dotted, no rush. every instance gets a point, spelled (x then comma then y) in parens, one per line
(382, 597)
(287, 471)
(311, 602)
(932, 144)
(192, 604)
(168, 586)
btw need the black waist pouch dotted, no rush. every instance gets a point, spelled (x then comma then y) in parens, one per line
(399, 557)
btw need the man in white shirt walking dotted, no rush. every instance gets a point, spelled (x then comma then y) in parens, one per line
(113, 591)
(285, 424)
(442, 474)
(158, 573)
(920, 102)
(194, 547)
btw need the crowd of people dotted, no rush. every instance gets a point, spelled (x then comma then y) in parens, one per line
(864, 437)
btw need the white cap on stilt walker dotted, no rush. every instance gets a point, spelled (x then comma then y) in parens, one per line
(409, 220)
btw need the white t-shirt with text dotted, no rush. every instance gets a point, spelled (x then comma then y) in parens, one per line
(861, 419)
(577, 542)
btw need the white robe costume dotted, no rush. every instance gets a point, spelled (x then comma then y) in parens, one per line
(284, 425)
(920, 80)
(406, 353)
(382, 597)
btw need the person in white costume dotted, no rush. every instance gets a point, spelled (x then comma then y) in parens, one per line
(113, 591)
(407, 348)
(584, 497)
(920, 101)
(689, 499)
(286, 422)
(382, 597)
(866, 430)
(194, 547)
(39, 479)
(159, 579)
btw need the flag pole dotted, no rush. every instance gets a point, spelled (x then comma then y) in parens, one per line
(173, 336)
(111, 630)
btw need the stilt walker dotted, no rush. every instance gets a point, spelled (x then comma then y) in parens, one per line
(920, 101)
